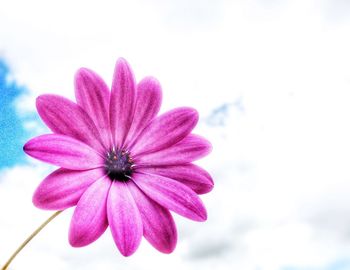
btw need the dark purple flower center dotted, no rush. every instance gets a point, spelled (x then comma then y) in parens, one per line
(118, 165)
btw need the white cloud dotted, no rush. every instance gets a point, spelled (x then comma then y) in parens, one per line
(280, 165)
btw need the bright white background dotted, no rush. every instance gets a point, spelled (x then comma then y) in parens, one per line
(271, 80)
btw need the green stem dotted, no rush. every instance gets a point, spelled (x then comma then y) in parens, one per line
(29, 239)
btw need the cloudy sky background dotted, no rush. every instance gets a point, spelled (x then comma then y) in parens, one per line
(271, 80)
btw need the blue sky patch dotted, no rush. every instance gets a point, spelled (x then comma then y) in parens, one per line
(12, 133)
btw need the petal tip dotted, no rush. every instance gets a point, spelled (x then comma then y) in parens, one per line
(150, 80)
(35, 200)
(76, 240)
(193, 113)
(27, 147)
(206, 188)
(80, 77)
(39, 102)
(151, 83)
(195, 116)
(211, 186)
(81, 73)
(205, 144)
(122, 64)
(203, 216)
(128, 250)
(122, 61)
(168, 251)
(169, 248)
(209, 147)
(123, 71)
(123, 68)
(45, 97)
(74, 243)
(127, 253)
(82, 70)
(201, 213)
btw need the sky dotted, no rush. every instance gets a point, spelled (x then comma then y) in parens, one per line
(271, 81)
(12, 132)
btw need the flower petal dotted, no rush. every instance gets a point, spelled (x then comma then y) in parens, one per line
(63, 188)
(92, 94)
(165, 130)
(189, 149)
(65, 117)
(158, 224)
(89, 220)
(147, 105)
(172, 195)
(190, 175)
(122, 101)
(63, 151)
(124, 218)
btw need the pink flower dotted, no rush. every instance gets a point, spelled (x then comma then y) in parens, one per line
(121, 166)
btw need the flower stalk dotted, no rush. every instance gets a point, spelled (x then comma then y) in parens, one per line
(18, 250)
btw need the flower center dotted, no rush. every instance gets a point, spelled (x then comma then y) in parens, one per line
(118, 165)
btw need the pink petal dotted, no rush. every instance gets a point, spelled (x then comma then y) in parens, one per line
(122, 101)
(147, 105)
(63, 188)
(92, 95)
(124, 218)
(63, 151)
(89, 220)
(190, 175)
(158, 224)
(172, 195)
(165, 130)
(65, 117)
(189, 149)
